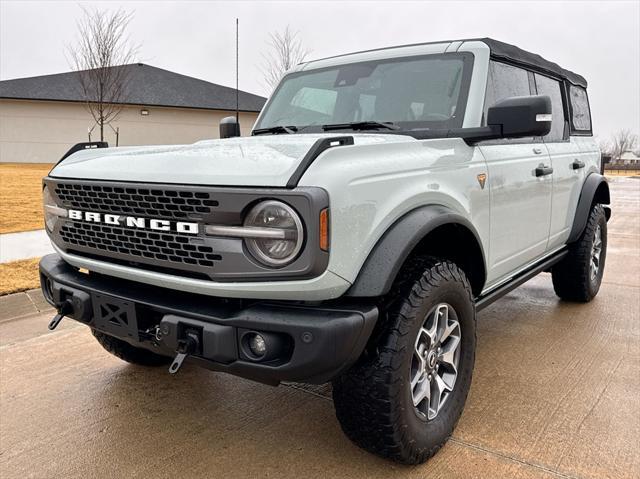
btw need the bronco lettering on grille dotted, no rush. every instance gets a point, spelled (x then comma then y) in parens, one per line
(135, 222)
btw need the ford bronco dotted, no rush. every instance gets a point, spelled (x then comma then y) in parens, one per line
(382, 200)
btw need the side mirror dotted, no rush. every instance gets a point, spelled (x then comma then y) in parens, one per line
(229, 127)
(521, 116)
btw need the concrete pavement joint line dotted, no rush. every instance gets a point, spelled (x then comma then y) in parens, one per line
(46, 333)
(27, 315)
(312, 393)
(510, 458)
(22, 316)
(621, 285)
(26, 293)
(598, 399)
(623, 235)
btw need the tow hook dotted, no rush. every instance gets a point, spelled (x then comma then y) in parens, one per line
(63, 309)
(186, 346)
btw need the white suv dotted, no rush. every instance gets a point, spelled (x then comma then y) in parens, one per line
(383, 198)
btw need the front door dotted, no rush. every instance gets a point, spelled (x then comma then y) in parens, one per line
(520, 181)
(521, 196)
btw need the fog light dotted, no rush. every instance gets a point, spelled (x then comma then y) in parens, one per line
(257, 345)
(264, 346)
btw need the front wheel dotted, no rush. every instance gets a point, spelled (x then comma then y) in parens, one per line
(406, 393)
(579, 275)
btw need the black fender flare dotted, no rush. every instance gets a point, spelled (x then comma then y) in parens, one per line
(595, 189)
(381, 267)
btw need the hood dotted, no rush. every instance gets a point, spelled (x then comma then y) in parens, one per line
(267, 160)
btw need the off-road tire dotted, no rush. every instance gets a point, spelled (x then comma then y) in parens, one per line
(572, 277)
(373, 399)
(128, 353)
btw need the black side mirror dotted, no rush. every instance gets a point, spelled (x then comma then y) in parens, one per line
(521, 116)
(229, 127)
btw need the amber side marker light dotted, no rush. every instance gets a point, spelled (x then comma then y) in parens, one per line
(324, 229)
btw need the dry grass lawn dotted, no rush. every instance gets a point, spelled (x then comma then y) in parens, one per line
(19, 276)
(622, 172)
(21, 196)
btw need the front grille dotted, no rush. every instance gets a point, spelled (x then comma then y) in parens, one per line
(190, 255)
(162, 247)
(155, 202)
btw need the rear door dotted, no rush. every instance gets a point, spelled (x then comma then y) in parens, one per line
(520, 200)
(566, 160)
(580, 128)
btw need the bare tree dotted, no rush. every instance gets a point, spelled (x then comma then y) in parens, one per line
(102, 49)
(621, 141)
(605, 146)
(285, 52)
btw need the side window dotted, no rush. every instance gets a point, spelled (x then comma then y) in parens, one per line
(580, 116)
(551, 88)
(504, 81)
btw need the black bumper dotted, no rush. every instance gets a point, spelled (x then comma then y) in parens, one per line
(312, 343)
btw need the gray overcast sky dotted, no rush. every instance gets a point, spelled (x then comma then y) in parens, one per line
(600, 40)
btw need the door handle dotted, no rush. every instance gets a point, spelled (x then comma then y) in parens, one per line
(577, 164)
(543, 170)
(537, 151)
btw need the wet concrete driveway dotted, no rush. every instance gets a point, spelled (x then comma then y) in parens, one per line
(556, 393)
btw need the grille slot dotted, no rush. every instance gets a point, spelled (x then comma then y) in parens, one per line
(159, 202)
(172, 249)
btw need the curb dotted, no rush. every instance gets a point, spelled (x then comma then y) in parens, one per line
(18, 305)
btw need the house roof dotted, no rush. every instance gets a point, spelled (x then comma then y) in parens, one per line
(147, 85)
(629, 155)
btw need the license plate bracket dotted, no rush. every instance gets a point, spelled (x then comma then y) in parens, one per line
(115, 316)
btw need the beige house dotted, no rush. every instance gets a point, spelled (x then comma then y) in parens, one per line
(628, 158)
(42, 117)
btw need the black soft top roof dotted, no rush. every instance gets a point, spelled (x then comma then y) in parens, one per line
(503, 51)
(517, 55)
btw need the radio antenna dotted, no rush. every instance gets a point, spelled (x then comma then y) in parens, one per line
(237, 89)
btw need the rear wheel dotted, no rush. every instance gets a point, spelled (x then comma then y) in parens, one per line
(129, 353)
(406, 393)
(579, 275)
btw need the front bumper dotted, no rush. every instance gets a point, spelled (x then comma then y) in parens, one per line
(315, 342)
(324, 287)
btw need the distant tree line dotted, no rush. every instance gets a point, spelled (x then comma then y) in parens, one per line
(619, 143)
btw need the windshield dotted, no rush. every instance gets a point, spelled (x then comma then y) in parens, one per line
(411, 92)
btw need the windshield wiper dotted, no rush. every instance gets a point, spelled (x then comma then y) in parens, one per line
(362, 125)
(274, 130)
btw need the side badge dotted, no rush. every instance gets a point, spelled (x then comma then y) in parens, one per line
(482, 179)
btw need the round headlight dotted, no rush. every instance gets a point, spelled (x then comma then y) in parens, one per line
(283, 236)
(48, 204)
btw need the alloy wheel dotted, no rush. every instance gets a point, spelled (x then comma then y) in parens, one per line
(434, 365)
(596, 252)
